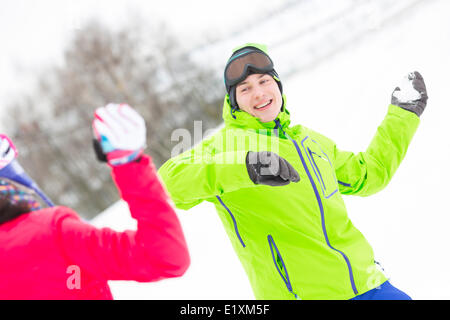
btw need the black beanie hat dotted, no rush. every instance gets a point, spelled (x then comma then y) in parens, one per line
(231, 90)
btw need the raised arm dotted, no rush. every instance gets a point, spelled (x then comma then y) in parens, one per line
(368, 172)
(157, 249)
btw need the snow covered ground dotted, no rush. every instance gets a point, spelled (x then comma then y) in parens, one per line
(345, 98)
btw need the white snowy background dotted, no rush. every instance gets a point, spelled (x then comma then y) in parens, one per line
(341, 61)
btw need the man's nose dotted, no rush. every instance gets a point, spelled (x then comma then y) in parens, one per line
(258, 93)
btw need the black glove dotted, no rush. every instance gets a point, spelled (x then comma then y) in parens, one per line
(268, 168)
(411, 95)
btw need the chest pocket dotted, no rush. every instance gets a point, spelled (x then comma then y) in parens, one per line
(322, 167)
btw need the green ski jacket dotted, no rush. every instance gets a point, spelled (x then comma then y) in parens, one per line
(294, 241)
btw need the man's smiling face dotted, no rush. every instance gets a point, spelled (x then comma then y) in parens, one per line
(260, 96)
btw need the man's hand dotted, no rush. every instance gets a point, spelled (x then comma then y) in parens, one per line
(8, 151)
(269, 168)
(411, 95)
(120, 134)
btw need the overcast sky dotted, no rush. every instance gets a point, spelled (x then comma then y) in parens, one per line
(33, 33)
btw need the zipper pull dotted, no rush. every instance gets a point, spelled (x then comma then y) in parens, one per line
(276, 130)
(277, 124)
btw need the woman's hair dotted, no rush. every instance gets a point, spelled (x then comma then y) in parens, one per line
(10, 211)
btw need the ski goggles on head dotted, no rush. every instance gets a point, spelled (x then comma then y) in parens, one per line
(240, 63)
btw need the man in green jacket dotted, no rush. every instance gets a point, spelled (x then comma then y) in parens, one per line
(278, 187)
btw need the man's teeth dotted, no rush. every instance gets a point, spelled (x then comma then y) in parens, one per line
(263, 105)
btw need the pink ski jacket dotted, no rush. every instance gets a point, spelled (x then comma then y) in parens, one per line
(53, 254)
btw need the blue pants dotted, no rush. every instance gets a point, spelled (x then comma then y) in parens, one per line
(384, 292)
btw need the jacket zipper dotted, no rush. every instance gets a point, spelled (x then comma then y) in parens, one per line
(316, 169)
(277, 259)
(319, 201)
(234, 221)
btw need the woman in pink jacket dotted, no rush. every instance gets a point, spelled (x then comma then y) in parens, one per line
(50, 253)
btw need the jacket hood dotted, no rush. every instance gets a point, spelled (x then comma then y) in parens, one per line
(243, 120)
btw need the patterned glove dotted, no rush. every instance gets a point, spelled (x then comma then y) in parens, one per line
(11, 170)
(8, 151)
(119, 133)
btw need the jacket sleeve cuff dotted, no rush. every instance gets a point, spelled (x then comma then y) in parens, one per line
(405, 114)
(136, 175)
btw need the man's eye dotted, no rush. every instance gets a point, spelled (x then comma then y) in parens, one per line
(244, 89)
